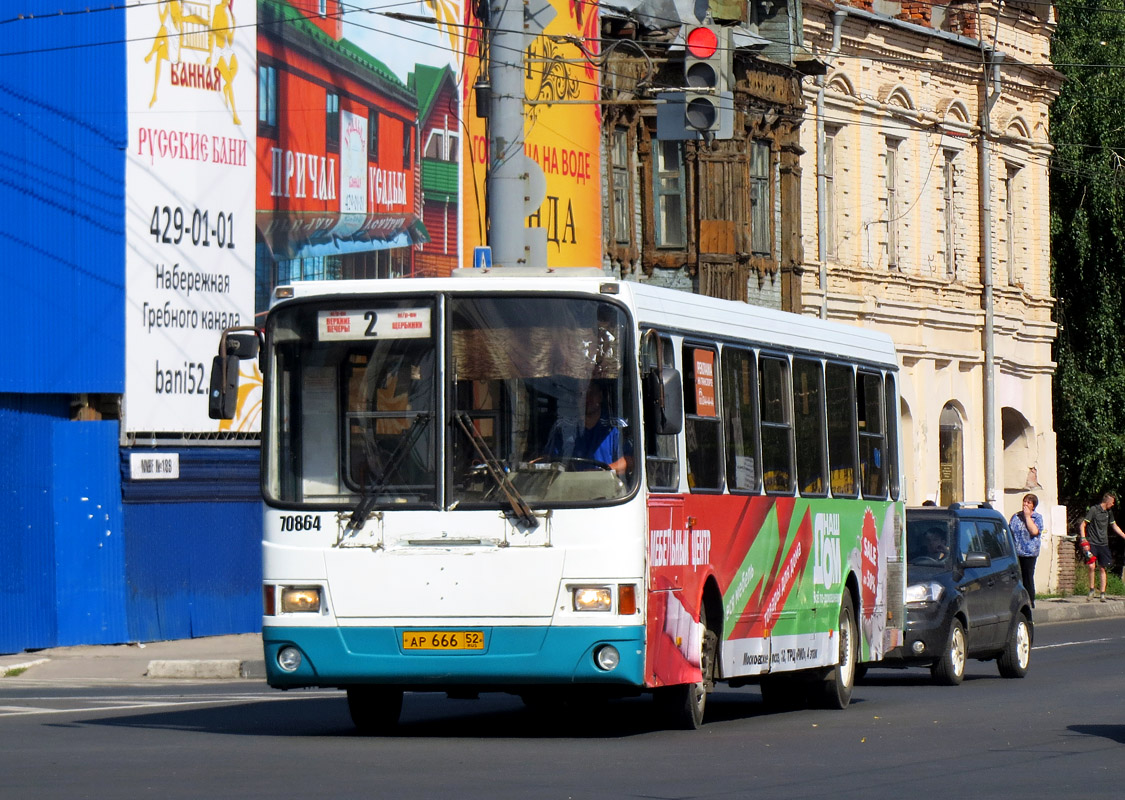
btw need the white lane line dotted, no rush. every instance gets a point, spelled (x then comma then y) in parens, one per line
(26, 711)
(1075, 644)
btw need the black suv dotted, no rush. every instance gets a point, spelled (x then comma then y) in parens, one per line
(964, 596)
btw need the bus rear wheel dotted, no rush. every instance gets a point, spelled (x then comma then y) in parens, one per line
(374, 709)
(836, 690)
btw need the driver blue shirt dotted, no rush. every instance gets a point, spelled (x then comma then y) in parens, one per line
(600, 443)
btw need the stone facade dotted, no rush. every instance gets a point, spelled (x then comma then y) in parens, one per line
(894, 192)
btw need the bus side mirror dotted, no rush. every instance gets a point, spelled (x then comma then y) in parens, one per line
(663, 402)
(222, 400)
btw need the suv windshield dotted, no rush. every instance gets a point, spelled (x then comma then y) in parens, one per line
(928, 542)
(538, 406)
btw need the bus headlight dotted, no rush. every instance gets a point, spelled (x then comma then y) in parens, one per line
(593, 598)
(296, 599)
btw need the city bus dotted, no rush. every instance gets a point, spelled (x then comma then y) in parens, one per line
(570, 486)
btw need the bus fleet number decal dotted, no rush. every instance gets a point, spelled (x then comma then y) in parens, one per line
(300, 522)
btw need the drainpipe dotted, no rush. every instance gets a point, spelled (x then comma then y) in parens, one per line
(992, 88)
(821, 202)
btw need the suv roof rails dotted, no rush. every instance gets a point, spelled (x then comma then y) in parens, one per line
(983, 504)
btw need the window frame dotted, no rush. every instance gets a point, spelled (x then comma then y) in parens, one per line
(695, 423)
(782, 428)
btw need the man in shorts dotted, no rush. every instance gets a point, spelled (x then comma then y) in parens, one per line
(1095, 527)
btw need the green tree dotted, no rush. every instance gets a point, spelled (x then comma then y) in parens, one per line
(1088, 248)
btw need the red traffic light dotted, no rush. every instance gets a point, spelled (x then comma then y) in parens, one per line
(702, 42)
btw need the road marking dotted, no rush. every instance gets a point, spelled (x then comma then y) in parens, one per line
(124, 704)
(1075, 644)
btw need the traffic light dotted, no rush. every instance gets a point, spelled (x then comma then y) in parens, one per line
(706, 58)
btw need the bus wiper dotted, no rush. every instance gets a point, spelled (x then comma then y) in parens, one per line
(520, 508)
(374, 489)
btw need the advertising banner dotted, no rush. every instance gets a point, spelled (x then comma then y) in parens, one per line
(189, 266)
(562, 133)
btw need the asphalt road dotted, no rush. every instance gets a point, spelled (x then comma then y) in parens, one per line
(1058, 732)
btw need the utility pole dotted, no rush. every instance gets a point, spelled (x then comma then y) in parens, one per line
(515, 186)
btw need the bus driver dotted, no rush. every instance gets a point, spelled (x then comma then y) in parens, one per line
(596, 439)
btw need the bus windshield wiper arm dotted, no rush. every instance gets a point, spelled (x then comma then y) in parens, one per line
(520, 508)
(374, 489)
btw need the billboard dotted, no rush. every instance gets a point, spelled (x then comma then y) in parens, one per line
(562, 132)
(189, 177)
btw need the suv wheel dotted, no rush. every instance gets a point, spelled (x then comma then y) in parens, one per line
(1014, 660)
(950, 668)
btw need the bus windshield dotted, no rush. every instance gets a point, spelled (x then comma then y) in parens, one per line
(531, 402)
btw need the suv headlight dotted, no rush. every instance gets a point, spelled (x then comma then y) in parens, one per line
(929, 592)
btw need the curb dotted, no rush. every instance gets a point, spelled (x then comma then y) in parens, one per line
(1069, 612)
(7, 669)
(224, 669)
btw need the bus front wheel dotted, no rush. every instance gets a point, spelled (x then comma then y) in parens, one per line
(683, 705)
(374, 709)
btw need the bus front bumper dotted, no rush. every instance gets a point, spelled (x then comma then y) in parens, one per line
(510, 657)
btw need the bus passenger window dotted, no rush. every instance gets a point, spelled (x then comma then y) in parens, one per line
(872, 444)
(890, 406)
(740, 419)
(840, 396)
(809, 426)
(662, 459)
(776, 430)
(701, 420)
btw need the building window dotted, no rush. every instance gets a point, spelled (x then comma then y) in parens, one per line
(332, 121)
(373, 134)
(322, 7)
(619, 161)
(829, 172)
(949, 216)
(668, 193)
(267, 100)
(950, 456)
(760, 206)
(1010, 220)
(407, 141)
(890, 213)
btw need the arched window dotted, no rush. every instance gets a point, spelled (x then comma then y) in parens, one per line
(951, 456)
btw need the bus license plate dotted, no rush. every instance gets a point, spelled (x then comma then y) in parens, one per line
(442, 640)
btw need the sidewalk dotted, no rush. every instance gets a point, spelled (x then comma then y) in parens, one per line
(239, 657)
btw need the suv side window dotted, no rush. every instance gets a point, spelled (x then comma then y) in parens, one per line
(969, 540)
(994, 542)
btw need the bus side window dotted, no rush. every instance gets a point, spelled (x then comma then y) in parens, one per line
(809, 426)
(702, 426)
(840, 394)
(775, 399)
(662, 460)
(740, 419)
(872, 442)
(890, 406)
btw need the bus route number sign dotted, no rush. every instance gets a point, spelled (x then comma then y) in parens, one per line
(397, 323)
(443, 640)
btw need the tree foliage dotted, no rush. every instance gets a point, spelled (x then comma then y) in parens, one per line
(1088, 247)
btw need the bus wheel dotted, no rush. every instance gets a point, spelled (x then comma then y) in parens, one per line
(374, 709)
(836, 690)
(683, 705)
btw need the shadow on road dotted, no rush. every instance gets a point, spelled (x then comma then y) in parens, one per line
(436, 716)
(1115, 733)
